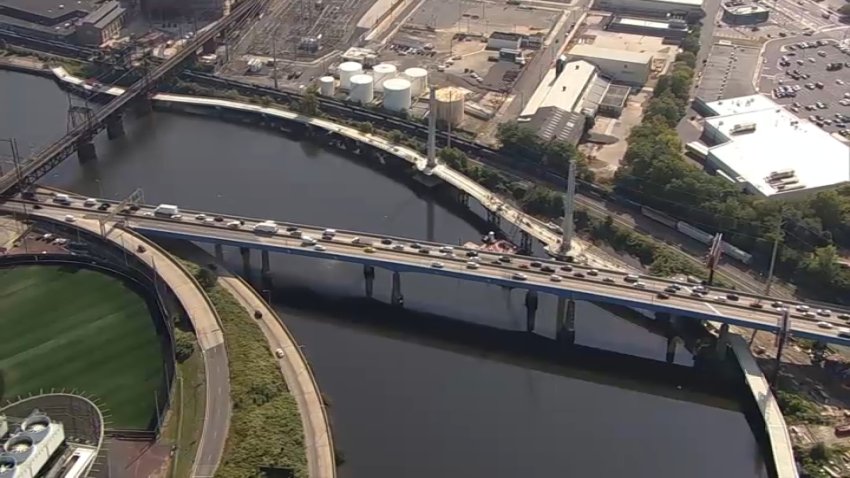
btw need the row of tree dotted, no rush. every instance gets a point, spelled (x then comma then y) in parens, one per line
(654, 172)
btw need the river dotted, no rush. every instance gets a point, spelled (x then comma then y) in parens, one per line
(400, 406)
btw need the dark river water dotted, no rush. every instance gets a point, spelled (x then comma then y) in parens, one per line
(401, 407)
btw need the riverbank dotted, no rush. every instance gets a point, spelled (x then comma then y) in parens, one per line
(302, 385)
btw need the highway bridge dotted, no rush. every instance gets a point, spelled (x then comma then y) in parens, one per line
(568, 282)
(109, 115)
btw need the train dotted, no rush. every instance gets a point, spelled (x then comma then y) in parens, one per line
(696, 234)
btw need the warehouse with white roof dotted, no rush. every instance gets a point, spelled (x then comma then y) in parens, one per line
(769, 151)
(621, 66)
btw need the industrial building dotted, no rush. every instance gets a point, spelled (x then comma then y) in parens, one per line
(49, 19)
(628, 67)
(568, 95)
(758, 145)
(745, 14)
(195, 9)
(688, 10)
(672, 30)
(499, 40)
(101, 25)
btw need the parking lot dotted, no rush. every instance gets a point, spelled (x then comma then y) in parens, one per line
(804, 81)
(728, 72)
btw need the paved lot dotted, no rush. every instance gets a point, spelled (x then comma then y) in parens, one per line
(728, 72)
(809, 61)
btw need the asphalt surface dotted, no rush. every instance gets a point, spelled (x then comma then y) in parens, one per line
(808, 61)
(520, 272)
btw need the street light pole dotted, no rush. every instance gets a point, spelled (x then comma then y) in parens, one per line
(776, 240)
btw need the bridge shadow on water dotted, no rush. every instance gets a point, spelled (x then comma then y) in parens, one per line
(698, 384)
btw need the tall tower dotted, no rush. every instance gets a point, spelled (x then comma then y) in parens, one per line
(432, 128)
(569, 209)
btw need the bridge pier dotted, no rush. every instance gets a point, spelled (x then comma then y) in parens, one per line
(86, 150)
(369, 276)
(219, 253)
(494, 218)
(266, 267)
(115, 127)
(246, 261)
(530, 310)
(672, 344)
(565, 330)
(524, 243)
(722, 342)
(396, 298)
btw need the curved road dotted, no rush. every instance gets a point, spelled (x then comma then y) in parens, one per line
(296, 371)
(210, 339)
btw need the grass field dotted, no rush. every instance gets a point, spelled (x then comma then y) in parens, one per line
(79, 329)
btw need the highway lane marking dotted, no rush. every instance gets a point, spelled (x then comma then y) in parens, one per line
(717, 312)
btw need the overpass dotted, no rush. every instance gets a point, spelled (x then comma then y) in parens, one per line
(497, 208)
(109, 116)
(568, 282)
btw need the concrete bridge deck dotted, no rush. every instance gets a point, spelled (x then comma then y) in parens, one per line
(401, 255)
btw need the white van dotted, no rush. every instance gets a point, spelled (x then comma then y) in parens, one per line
(90, 202)
(266, 227)
(166, 210)
(61, 198)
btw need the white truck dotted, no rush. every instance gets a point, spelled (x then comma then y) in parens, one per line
(168, 210)
(266, 227)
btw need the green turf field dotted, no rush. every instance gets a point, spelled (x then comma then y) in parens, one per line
(79, 329)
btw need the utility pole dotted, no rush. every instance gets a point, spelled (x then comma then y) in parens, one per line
(569, 209)
(776, 240)
(432, 129)
(274, 56)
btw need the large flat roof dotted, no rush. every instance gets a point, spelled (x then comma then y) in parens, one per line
(48, 8)
(741, 104)
(692, 3)
(761, 142)
(563, 91)
(590, 51)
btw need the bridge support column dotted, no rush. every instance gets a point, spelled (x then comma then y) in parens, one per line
(369, 276)
(565, 330)
(494, 218)
(86, 150)
(722, 342)
(266, 266)
(396, 297)
(219, 252)
(672, 343)
(115, 127)
(524, 243)
(530, 310)
(246, 261)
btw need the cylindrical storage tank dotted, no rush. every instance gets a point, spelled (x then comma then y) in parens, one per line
(418, 78)
(361, 89)
(327, 86)
(346, 71)
(450, 105)
(396, 94)
(383, 72)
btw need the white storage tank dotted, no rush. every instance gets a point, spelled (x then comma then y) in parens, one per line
(449, 107)
(361, 89)
(418, 78)
(396, 94)
(327, 86)
(346, 71)
(381, 73)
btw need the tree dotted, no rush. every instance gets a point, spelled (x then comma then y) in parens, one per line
(454, 158)
(395, 136)
(665, 109)
(309, 104)
(520, 140)
(544, 202)
(688, 58)
(365, 127)
(206, 278)
(184, 345)
(680, 82)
